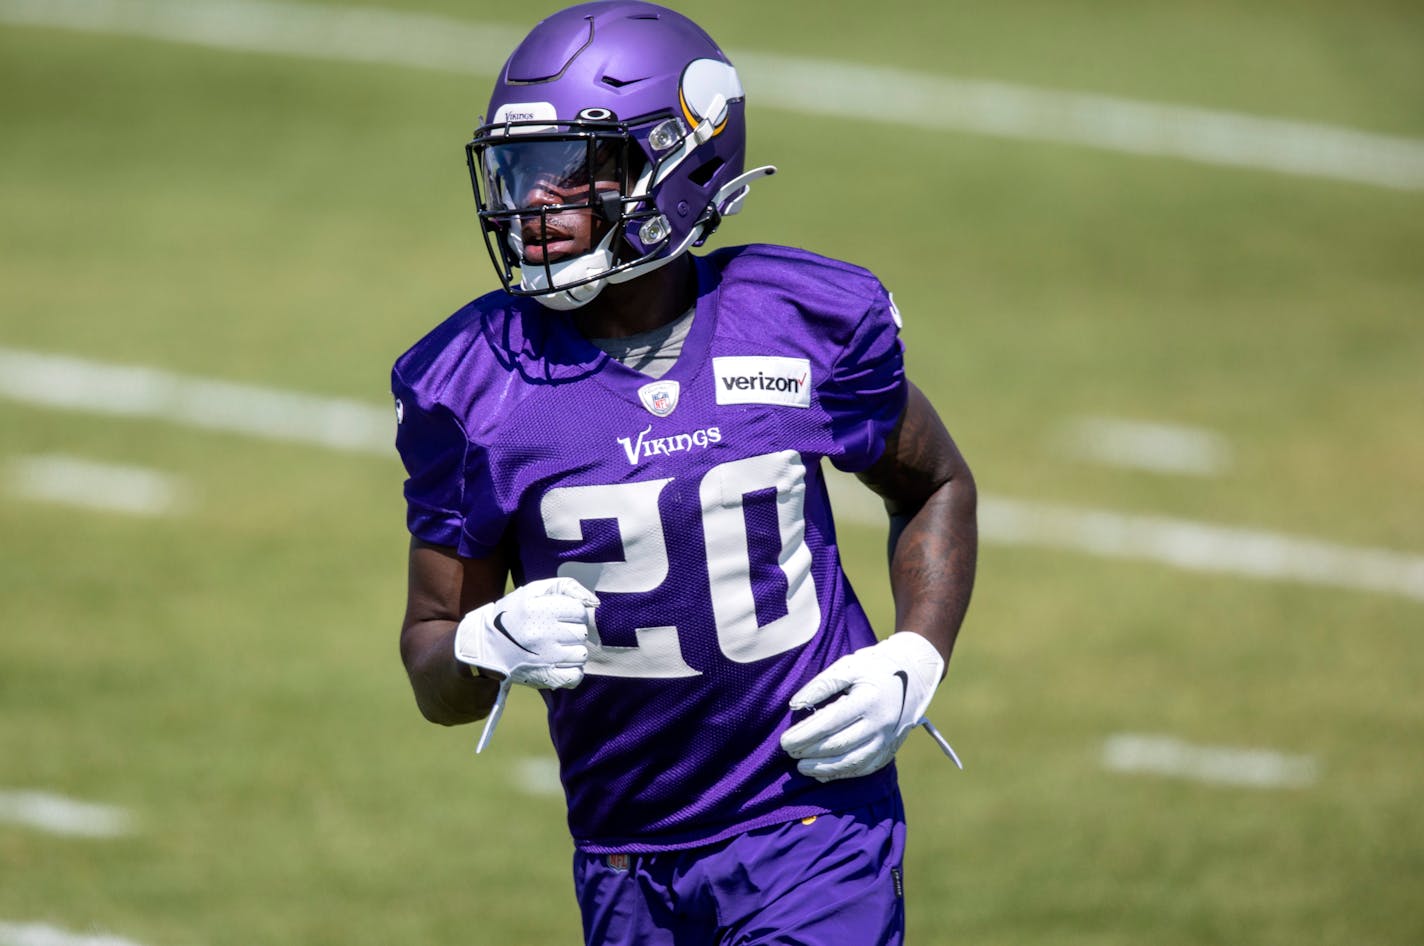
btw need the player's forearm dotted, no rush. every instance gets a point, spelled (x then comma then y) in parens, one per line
(447, 691)
(933, 552)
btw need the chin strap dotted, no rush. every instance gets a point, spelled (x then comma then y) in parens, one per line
(731, 194)
(734, 192)
(727, 201)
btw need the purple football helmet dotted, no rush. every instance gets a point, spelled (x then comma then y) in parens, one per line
(614, 142)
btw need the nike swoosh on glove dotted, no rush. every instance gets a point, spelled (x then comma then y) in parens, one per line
(536, 635)
(884, 690)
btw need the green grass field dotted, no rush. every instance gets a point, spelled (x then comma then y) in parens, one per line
(228, 674)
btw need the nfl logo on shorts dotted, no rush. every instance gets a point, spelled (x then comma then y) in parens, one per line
(660, 397)
(618, 861)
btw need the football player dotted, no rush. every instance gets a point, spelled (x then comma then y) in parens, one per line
(635, 434)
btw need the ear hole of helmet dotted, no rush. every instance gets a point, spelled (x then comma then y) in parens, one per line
(703, 174)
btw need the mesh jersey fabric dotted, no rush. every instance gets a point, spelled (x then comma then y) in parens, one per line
(707, 533)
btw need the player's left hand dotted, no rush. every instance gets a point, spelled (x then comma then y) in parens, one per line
(885, 690)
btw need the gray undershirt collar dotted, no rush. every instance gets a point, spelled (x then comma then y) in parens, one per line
(654, 352)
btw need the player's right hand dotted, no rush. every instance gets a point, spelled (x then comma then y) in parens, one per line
(536, 635)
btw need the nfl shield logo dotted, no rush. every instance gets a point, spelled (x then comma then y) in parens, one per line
(660, 397)
(619, 861)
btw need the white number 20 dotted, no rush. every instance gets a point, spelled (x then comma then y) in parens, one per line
(723, 492)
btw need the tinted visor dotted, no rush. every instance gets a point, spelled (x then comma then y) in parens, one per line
(518, 174)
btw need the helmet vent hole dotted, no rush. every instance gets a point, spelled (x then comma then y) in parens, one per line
(702, 175)
(617, 83)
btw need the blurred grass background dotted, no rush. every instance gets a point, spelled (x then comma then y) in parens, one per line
(230, 675)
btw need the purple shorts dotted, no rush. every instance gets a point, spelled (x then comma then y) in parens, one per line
(832, 880)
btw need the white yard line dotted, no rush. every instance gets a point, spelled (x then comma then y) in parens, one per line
(1005, 110)
(357, 34)
(69, 383)
(1179, 543)
(839, 90)
(1155, 447)
(42, 934)
(56, 814)
(1202, 547)
(109, 487)
(1250, 768)
(94, 387)
(539, 775)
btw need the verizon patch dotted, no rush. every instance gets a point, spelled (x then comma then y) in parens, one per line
(763, 379)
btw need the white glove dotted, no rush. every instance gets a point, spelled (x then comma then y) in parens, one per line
(887, 688)
(535, 635)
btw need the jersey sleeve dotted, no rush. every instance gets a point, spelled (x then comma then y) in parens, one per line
(449, 499)
(433, 447)
(867, 390)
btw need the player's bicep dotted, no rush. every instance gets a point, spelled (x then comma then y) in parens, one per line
(443, 586)
(919, 458)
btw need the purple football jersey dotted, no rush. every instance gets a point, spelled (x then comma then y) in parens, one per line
(693, 505)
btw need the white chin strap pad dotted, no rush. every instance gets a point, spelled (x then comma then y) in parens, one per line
(534, 278)
(565, 300)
